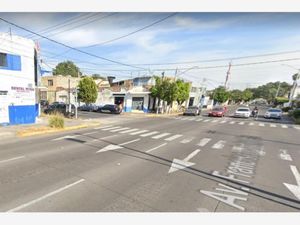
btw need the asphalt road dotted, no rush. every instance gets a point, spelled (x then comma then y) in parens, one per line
(176, 164)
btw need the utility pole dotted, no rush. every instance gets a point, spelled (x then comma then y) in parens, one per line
(227, 76)
(69, 94)
(294, 87)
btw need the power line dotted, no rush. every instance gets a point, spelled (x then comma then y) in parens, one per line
(133, 32)
(75, 49)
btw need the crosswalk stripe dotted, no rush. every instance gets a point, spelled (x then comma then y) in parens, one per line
(139, 132)
(214, 121)
(261, 124)
(173, 137)
(199, 120)
(187, 140)
(111, 128)
(241, 123)
(119, 129)
(98, 128)
(251, 124)
(272, 125)
(207, 120)
(284, 126)
(223, 121)
(149, 134)
(297, 127)
(203, 142)
(192, 119)
(219, 145)
(128, 131)
(232, 122)
(161, 135)
(185, 118)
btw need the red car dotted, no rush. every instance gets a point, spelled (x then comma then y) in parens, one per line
(219, 111)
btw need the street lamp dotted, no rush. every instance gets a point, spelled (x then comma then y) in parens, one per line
(294, 84)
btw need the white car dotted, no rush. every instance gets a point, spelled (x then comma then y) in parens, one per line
(244, 112)
(273, 113)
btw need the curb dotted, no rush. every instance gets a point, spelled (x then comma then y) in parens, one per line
(26, 133)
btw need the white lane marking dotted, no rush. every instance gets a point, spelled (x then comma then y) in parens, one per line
(207, 120)
(219, 145)
(223, 121)
(185, 118)
(284, 155)
(149, 134)
(139, 132)
(128, 131)
(192, 119)
(179, 164)
(187, 140)
(251, 124)
(261, 124)
(65, 137)
(232, 122)
(241, 123)
(199, 120)
(284, 126)
(114, 147)
(94, 132)
(173, 137)
(295, 189)
(111, 128)
(152, 149)
(272, 125)
(204, 141)
(45, 196)
(297, 127)
(214, 121)
(120, 129)
(98, 128)
(160, 135)
(12, 159)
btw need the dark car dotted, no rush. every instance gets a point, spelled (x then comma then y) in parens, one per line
(115, 109)
(218, 111)
(60, 108)
(88, 108)
(192, 110)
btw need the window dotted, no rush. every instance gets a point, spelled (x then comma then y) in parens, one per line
(50, 82)
(3, 59)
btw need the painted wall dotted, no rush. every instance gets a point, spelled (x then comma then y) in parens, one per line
(128, 101)
(17, 85)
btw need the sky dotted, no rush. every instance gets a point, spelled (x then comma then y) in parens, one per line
(183, 44)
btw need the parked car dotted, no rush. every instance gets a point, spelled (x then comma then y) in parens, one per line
(273, 113)
(217, 111)
(88, 107)
(115, 109)
(60, 108)
(192, 110)
(243, 112)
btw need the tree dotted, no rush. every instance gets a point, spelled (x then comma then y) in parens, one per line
(236, 95)
(97, 76)
(220, 94)
(247, 95)
(66, 68)
(88, 91)
(183, 91)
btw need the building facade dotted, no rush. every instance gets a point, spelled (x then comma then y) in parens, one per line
(18, 80)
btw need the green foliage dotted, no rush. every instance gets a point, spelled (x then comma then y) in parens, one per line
(296, 114)
(221, 95)
(281, 100)
(286, 109)
(236, 95)
(98, 76)
(88, 91)
(56, 121)
(66, 68)
(183, 91)
(295, 76)
(247, 95)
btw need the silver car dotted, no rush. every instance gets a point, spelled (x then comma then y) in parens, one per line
(192, 110)
(243, 112)
(273, 113)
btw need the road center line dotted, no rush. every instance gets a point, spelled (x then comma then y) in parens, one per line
(11, 159)
(45, 196)
(152, 149)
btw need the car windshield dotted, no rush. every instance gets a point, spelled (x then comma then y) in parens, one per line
(274, 110)
(243, 110)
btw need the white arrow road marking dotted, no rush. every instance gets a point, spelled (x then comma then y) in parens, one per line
(119, 129)
(114, 147)
(272, 125)
(219, 145)
(178, 164)
(152, 149)
(149, 134)
(65, 137)
(11, 159)
(128, 131)
(44, 197)
(173, 137)
(187, 140)
(284, 126)
(284, 155)
(139, 132)
(203, 142)
(160, 135)
(295, 189)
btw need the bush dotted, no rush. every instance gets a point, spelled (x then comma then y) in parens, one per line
(56, 121)
(296, 114)
(286, 109)
(297, 120)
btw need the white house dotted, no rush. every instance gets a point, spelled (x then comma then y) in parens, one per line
(18, 80)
